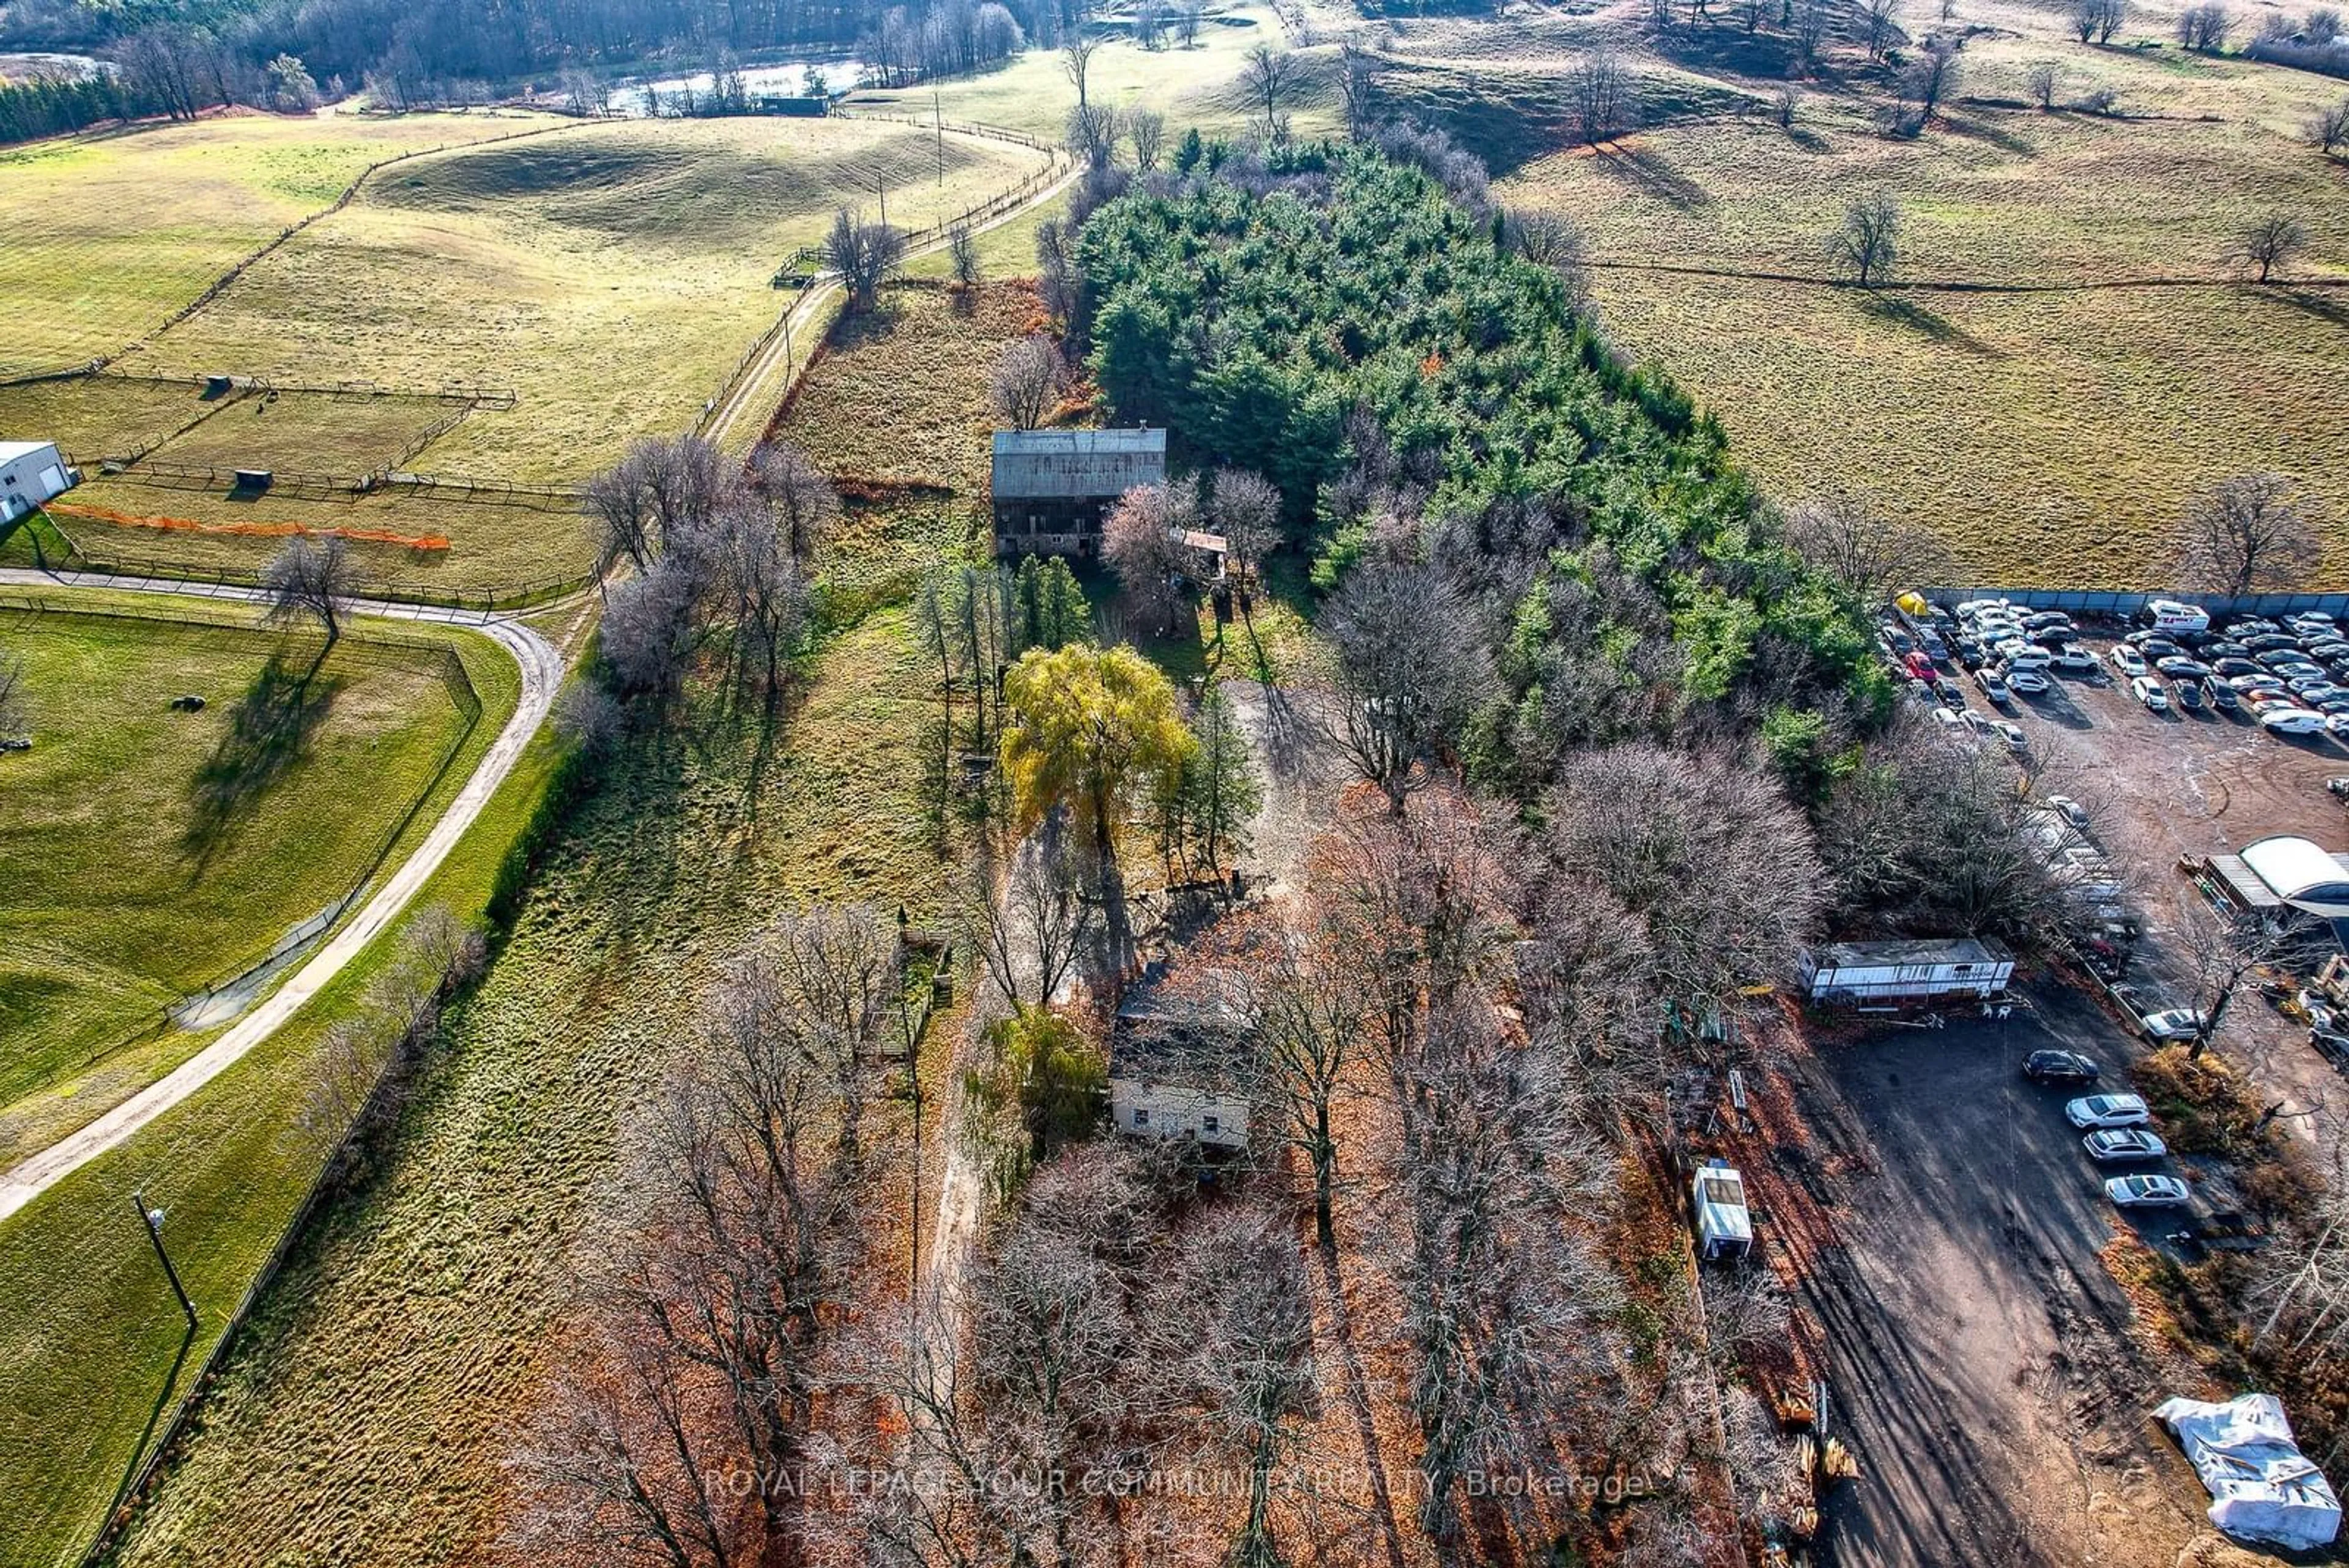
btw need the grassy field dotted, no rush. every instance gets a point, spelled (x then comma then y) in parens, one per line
(2052, 433)
(367, 1415)
(901, 394)
(145, 854)
(609, 276)
(93, 1351)
(110, 234)
(1194, 86)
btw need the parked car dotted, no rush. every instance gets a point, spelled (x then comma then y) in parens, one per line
(2338, 724)
(2262, 682)
(2147, 691)
(2149, 1192)
(2231, 667)
(2288, 658)
(2128, 661)
(2174, 1023)
(2267, 642)
(2011, 734)
(2223, 697)
(2178, 667)
(1951, 726)
(2189, 694)
(2070, 810)
(2108, 1111)
(2219, 647)
(2073, 659)
(2290, 721)
(1993, 685)
(2023, 680)
(2060, 1067)
(2114, 1145)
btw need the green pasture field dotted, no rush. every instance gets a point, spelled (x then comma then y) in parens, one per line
(110, 232)
(95, 416)
(94, 1352)
(496, 542)
(329, 434)
(609, 276)
(146, 854)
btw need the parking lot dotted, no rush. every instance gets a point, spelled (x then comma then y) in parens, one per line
(1980, 1354)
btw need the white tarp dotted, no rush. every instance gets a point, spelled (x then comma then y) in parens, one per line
(2261, 1487)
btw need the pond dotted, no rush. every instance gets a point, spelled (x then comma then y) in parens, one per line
(783, 78)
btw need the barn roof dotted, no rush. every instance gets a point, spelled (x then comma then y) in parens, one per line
(10, 451)
(1066, 463)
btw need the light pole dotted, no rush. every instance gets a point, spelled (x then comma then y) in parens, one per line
(153, 1220)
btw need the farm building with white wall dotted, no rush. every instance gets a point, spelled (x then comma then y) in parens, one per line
(32, 474)
(1894, 973)
(1176, 1069)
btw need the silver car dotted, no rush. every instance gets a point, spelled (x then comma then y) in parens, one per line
(2149, 1191)
(2108, 1111)
(2114, 1145)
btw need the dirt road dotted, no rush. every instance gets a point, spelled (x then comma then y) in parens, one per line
(542, 672)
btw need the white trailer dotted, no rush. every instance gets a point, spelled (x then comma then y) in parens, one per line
(1896, 974)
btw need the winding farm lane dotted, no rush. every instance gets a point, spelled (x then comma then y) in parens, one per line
(542, 667)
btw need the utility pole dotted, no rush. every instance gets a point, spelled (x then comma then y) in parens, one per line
(153, 1220)
(938, 113)
(881, 184)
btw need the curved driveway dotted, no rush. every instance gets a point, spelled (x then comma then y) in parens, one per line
(541, 673)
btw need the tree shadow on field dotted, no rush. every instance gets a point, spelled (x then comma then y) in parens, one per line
(1647, 172)
(860, 329)
(1900, 310)
(270, 730)
(1981, 128)
(2324, 307)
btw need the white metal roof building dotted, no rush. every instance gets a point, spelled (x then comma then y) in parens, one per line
(2284, 871)
(31, 473)
(1725, 1227)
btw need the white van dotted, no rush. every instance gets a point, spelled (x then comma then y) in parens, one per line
(2168, 615)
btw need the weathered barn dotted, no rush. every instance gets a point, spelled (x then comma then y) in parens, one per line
(1053, 488)
(31, 473)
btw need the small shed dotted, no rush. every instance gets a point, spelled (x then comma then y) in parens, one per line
(32, 474)
(1177, 1068)
(1893, 973)
(1053, 488)
(1724, 1228)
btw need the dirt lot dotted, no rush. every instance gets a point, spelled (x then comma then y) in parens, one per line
(1979, 1356)
(1982, 1362)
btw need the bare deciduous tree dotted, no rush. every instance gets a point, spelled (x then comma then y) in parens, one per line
(1092, 134)
(1929, 79)
(1865, 245)
(962, 251)
(1265, 77)
(1032, 933)
(2204, 27)
(1358, 87)
(1246, 511)
(1709, 855)
(2044, 81)
(1028, 380)
(1145, 132)
(864, 256)
(1811, 21)
(795, 493)
(2328, 127)
(1187, 16)
(2098, 20)
(1413, 666)
(2270, 243)
(1879, 28)
(1601, 103)
(1866, 555)
(1140, 543)
(1077, 63)
(662, 493)
(2246, 535)
(310, 581)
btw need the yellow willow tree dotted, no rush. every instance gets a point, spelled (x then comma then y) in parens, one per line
(1090, 730)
